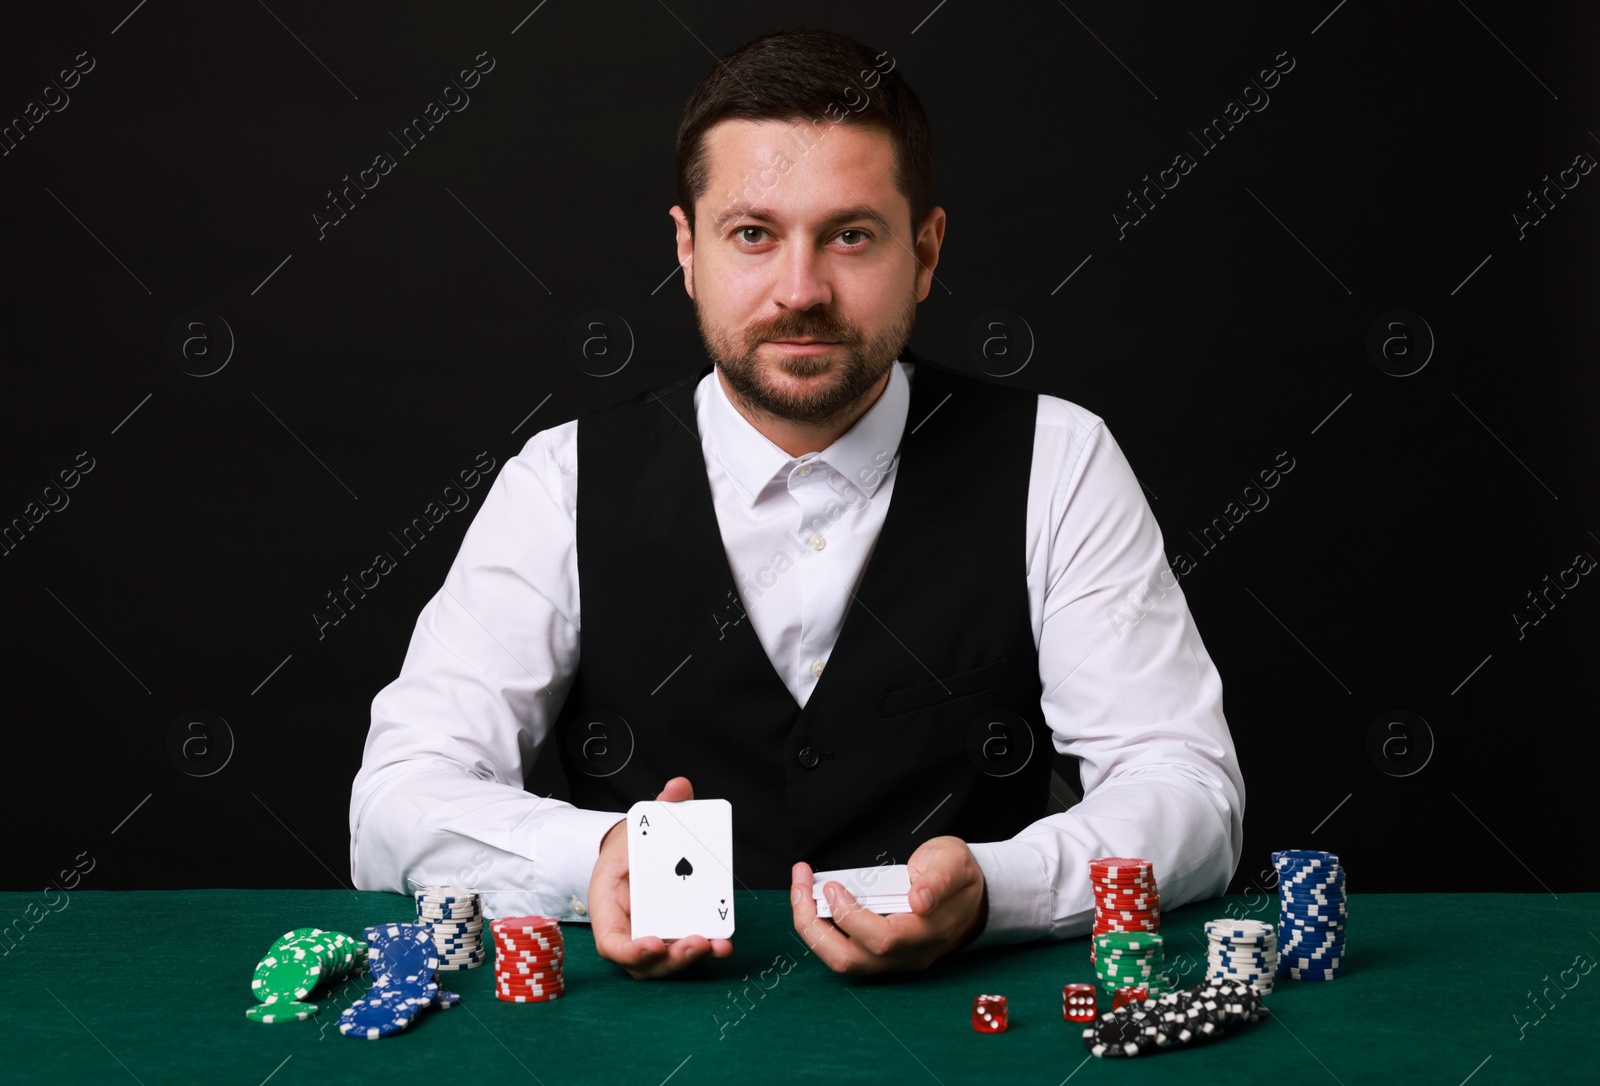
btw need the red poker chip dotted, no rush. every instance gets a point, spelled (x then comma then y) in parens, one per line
(530, 948)
(531, 952)
(1150, 918)
(527, 998)
(1127, 914)
(529, 985)
(530, 974)
(527, 990)
(1118, 862)
(1122, 876)
(540, 958)
(525, 925)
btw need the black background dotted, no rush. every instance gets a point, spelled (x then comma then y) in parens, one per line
(1228, 327)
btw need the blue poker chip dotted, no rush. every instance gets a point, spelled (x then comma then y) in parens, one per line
(1312, 889)
(1311, 939)
(404, 950)
(377, 1015)
(446, 999)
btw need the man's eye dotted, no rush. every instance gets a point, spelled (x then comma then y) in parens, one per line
(859, 234)
(743, 230)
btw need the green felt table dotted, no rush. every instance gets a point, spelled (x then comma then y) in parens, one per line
(151, 986)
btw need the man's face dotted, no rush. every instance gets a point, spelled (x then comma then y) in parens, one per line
(796, 253)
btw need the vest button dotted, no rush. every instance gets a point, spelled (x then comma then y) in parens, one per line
(809, 758)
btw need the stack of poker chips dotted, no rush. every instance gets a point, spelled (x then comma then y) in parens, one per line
(405, 982)
(1125, 896)
(455, 915)
(1128, 959)
(528, 959)
(295, 965)
(1311, 915)
(1174, 1020)
(1244, 950)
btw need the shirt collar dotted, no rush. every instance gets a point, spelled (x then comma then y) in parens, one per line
(863, 454)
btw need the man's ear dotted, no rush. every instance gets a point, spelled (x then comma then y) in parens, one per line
(685, 241)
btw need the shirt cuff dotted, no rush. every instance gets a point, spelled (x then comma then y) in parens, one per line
(1021, 894)
(568, 860)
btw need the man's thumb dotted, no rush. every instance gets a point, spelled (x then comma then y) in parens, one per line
(676, 790)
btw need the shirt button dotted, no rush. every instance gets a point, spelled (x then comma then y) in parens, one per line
(805, 469)
(579, 907)
(808, 758)
(817, 542)
(816, 668)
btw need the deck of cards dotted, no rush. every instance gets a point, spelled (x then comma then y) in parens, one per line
(680, 869)
(884, 890)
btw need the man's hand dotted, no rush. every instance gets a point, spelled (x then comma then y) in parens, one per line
(609, 916)
(949, 906)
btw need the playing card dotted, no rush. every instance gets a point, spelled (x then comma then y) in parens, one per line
(680, 868)
(884, 889)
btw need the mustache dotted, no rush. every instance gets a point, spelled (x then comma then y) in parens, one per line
(798, 326)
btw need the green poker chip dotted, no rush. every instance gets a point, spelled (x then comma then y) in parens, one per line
(282, 1010)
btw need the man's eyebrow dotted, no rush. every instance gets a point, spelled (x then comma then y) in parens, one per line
(843, 215)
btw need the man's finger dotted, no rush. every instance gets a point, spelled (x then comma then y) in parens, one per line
(676, 790)
(867, 930)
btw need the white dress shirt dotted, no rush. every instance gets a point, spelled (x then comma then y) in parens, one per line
(1126, 684)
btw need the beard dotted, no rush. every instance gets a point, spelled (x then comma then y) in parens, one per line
(859, 362)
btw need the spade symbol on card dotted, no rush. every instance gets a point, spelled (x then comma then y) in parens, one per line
(684, 868)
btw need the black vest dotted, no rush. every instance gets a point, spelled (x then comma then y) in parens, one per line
(926, 720)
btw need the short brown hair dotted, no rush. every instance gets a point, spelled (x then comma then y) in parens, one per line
(808, 74)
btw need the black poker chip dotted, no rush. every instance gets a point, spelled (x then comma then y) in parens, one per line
(1115, 1035)
(1174, 1019)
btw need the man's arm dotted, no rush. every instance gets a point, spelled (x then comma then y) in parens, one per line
(439, 797)
(1127, 687)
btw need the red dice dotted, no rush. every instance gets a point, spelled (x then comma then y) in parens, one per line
(1123, 996)
(1079, 1003)
(989, 1013)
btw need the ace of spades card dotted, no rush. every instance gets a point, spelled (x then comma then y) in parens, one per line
(680, 868)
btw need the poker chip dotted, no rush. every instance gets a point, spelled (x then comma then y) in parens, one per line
(529, 956)
(296, 964)
(383, 1014)
(454, 915)
(1173, 1020)
(1244, 951)
(1126, 898)
(1127, 959)
(281, 1010)
(1312, 911)
(405, 964)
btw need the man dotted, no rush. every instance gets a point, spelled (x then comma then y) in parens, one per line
(856, 593)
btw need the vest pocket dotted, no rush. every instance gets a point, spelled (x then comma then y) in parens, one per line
(940, 691)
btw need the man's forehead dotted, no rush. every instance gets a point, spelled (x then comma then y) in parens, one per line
(780, 169)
